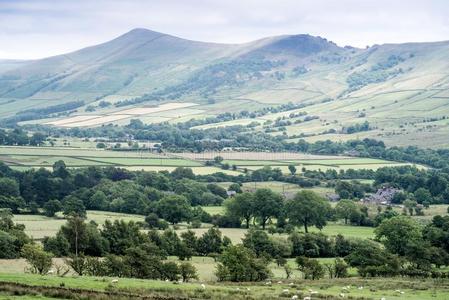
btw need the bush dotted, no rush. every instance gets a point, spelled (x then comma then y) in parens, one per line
(39, 260)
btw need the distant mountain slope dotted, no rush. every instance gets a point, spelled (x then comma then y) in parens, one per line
(388, 85)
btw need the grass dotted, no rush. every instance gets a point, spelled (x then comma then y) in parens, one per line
(39, 226)
(375, 288)
(236, 234)
(214, 210)
(23, 158)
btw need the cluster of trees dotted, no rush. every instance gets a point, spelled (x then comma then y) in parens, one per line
(423, 186)
(358, 127)
(19, 137)
(305, 209)
(169, 195)
(12, 236)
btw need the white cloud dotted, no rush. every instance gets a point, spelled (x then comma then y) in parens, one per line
(38, 28)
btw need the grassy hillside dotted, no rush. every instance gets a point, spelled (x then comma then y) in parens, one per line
(400, 89)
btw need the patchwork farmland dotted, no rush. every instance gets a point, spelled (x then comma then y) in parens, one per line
(21, 158)
(89, 120)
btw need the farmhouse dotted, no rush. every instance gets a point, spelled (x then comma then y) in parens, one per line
(383, 195)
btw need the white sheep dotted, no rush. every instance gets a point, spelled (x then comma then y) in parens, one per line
(307, 298)
(342, 295)
(360, 287)
(203, 286)
(291, 284)
(114, 281)
(383, 298)
(279, 282)
(313, 292)
(50, 272)
(295, 297)
(285, 291)
(248, 289)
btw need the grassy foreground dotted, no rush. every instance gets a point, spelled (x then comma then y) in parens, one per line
(37, 287)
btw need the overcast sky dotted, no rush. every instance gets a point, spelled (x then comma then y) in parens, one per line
(40, 28)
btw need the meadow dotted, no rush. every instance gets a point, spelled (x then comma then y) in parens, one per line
(89, 120)
(37, 286)
(22, 158)
(85, 154)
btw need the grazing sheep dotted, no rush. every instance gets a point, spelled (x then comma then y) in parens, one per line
(51, 272)
(203, 286)
(295, 297)
(248, 289)
(360, 287)
(279, 282)
(114, 281)
(291, 284)
(342, 295)
(307, 298)
(383, 298)
(313, 292)
(285, 291)
(268, 283)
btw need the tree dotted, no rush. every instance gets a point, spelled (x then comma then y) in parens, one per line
(422, 195)
(9, 187)
(39, 260)
(371, 259)
(311, 268)
(170, 271)
(218, 159)
(238, 263)
(235, 187)
(259, 242)
(267, 204)
(210, 242)
(292, 169)
(73, 206)
(37, 139)
(121, 235)
(308, 208)
(346, 209)
(60, 169)
(174, 208)
(395, 233)
(410, 205)
(152, 221)
(217, 190)
(241, 206)
(187, 271)
(51, 207)
(78, 263)
(13, 203)
(143, 263)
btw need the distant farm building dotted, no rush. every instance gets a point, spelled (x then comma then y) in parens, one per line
(383, 195)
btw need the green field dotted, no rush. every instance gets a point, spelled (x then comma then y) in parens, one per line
(23, 158)
(38, 226)
(330, 289)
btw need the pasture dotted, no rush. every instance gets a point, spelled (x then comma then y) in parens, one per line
(22, 158)
(92, 120)
(359, 288)
(38, 226)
